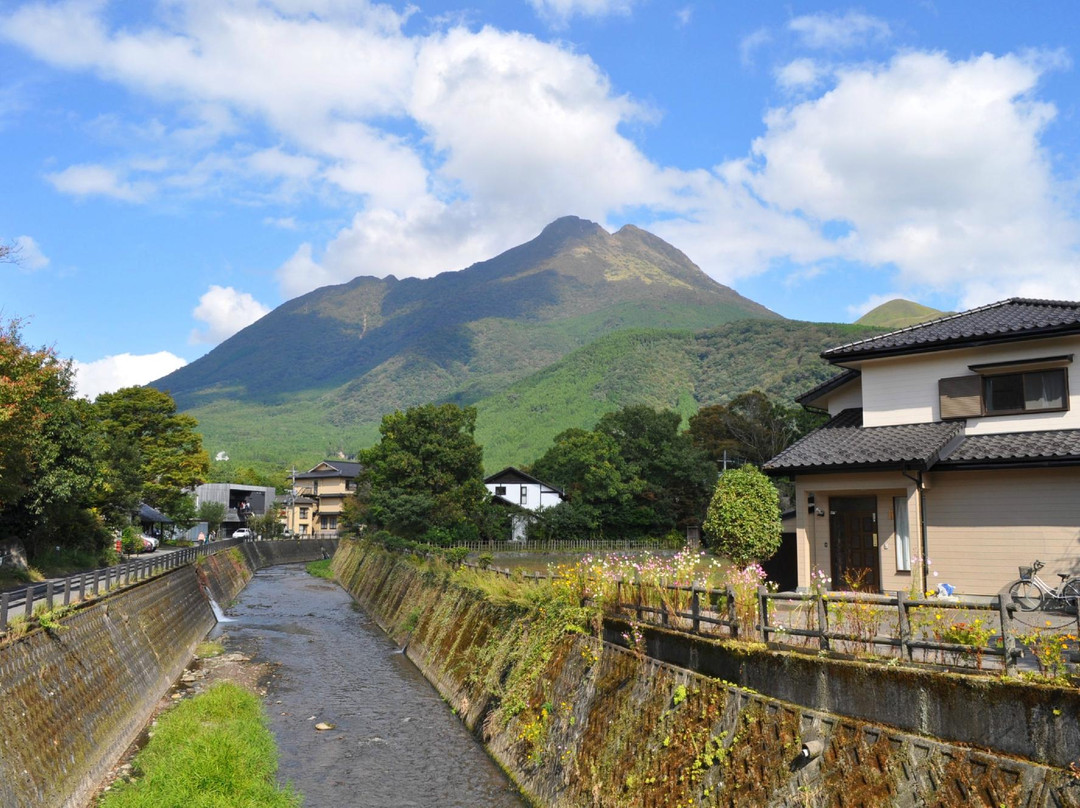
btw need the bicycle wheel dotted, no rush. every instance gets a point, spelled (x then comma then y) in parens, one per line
(1070, 593)
(1025, 596)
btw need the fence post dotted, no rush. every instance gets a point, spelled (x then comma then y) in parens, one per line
(28, 609)
(732, 613)
(49, 595)
(67, 591)
(906, 651)
(1008, 638)
(4, 599)
(695, 609)
(96, 574)
(823, 622)
(638, 609)
(664, 589)
(763, 612)
(618, 596)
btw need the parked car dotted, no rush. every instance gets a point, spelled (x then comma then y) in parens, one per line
(244, 533)
(149, 543)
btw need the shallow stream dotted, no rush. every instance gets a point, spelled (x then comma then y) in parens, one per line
(394, 741)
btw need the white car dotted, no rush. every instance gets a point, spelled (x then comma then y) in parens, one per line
(244, 533)
(149, 543)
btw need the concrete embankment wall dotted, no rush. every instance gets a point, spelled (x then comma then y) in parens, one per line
(577, 721)
(74, 697)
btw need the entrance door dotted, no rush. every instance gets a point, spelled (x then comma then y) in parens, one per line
(854, 538)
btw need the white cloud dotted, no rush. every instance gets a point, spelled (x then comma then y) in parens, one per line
(224, 311)
(683, 16)
(937, 167)
(282, 222)
(839, 31)
(800, 74)
(123, 370)
(28, 254)
(561, 11)
(96, 180)
(450, 146)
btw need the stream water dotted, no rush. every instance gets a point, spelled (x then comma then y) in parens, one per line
(394, 741)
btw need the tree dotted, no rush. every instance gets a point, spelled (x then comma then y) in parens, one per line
(743, 521)
(676, 476)
(170, 450)
(599, 483)
(213, 513)
(49, 451)
(750, 427)
(425, 474)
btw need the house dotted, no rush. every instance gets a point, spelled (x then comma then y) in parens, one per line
(314, 504)
(242, 503)
(952, 454)
(524, 493)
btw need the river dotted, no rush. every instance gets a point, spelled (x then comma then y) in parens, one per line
(394, 742)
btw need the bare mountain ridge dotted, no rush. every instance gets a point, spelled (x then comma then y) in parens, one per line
(374, 344)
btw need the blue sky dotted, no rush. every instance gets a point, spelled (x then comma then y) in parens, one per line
(173, 169)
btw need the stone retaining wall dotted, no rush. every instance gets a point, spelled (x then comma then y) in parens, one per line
(74, 697)
(605, 726)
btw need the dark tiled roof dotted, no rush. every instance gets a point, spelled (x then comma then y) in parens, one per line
(341, 468)
(828, 386)
(1061, 445)
(1008, 320)
(513, 475)
(844, 443)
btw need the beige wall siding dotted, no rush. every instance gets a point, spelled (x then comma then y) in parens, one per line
(904, 390)
(982, 525)
(847, 397)
(812, 531)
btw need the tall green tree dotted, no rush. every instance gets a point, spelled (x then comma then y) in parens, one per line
(751, 427)
(676, 476)
(601, 486)
(172, 458)
(743, 522)
(424, 478)
(49, 451)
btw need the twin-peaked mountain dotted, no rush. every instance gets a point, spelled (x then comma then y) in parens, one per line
(318, 373)
(329, 364)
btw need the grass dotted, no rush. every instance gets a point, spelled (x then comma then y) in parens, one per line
(213, 751)
(320, 569)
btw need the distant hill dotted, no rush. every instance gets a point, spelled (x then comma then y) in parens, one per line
(671, 369)
(899, 314)
(315, 375)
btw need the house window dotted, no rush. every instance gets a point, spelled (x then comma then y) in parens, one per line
(1037, 391)
(500, 490)
(303, 513)
(524, 495)
(328, 523)
(993, 391)
(903, 534)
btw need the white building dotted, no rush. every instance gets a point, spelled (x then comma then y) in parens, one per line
(516, 488)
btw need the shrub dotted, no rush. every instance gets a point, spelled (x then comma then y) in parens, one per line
(743, 519)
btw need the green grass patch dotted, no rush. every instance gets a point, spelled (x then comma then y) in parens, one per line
(320, 569)
(213, 751)
(209, 648)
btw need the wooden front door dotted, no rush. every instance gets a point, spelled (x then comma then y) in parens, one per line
(853, 541)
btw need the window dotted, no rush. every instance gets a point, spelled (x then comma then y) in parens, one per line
(303, 513)
(328, 523)
(1006, 389)
(903, 534)
(1037, 391)
(524, 494)
(500, 490)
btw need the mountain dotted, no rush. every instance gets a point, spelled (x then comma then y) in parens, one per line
(899, 313)
(670, 369)
(316, 374)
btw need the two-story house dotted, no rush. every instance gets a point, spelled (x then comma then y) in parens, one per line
(314, 508)
(516, 488)
(952, 454)
(242, 503)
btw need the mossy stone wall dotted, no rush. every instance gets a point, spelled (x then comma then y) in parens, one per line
(602, 725)
(73, 698)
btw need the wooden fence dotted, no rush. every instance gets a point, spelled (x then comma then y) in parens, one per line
(918, 631)
(583, 545)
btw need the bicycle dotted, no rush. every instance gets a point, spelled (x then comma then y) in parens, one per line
(1031, 592)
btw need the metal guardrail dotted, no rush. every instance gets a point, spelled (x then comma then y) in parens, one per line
(74, 588)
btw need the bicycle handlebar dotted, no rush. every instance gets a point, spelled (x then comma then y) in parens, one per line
(1038, 565)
